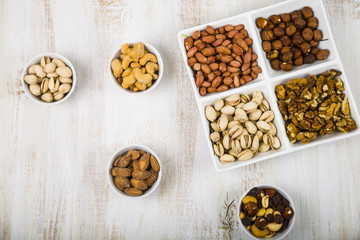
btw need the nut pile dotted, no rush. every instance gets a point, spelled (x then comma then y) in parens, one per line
(221, 58)
(50, 80)
(136, 69)
(291, 39)
(314, 105)
(241, 127)
(135, 172)
(265, 212)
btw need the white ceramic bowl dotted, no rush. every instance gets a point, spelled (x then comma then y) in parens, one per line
(121, 152)
(277, 236)
(36, 60)
(150, 49)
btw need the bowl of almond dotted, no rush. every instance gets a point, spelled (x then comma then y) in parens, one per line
(134, 171)
(49, 78)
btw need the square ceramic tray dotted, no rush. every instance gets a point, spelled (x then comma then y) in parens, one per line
(269, 78)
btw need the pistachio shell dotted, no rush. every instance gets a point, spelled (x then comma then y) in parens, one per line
(233, 152)
(260, 135)
(263, 126)
(245, 155)
(215, 136)
(226, 158)
(210, 113)
(228, 110)
(54, 75)
(50, 67)
(250, 107)
(64, 71)
(257, 100)
(236, 146)
(58, 96)
(39, 71)
(52, 85)
(250, 126)
(240, 105)
(58, 62)
(264, 147)
(215, 127)
(244, 98)
(30, 79)
(275, 144)
(219, 104)
(255, 144)
(233, 100)
(65, 80)
(47, 97)
(227, 141)
(44, 87)
(240, 115)
(35, 89)
(222, 123)
(64, 88)
(233, 123)
(267, 139)
(264, 106)
(219, 149)
(255, 115)
(31, 69)
(258, 94)
(272, 130)
(245, 141)
(267, 116)
(235, 131)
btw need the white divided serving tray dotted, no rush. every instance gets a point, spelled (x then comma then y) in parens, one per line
(268, 79)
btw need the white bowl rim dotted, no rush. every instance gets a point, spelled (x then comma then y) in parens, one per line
(152, 50)
(120, 152)
(284, 194)
(51, 55)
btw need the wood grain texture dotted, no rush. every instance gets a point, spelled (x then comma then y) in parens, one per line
(53, 159)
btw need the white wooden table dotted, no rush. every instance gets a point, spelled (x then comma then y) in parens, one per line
(53, 159)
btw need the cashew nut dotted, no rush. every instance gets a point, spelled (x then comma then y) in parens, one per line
(148, 57)
(259, 233)
(261, 212)
(116, 67)
(129, 79)
(140, 86)
(125, 49)
(248, 199)
(151, 68)
(127, 72)
(126, 61)
(138, 51)
(274, 227)
(135, 65)
(143, 78)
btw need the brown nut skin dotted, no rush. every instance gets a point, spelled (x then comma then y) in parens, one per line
(202, 91)
(307, 12)
(272, 55)
(251, 209)
(312, 22)
(309, 58)
(192, 52)
(286, 66)
(295, 14)
(305, 47)
(275, 64)
(288, 213)
(286, 40)
(314, 43)
(300, 23)
(189, 43)
(308, 34)
(210, 30)
(266, 46)
(275, 19)
(279, 32)
(297, 53)
(297, 39)
(299, 61)
(287, 56)
(290, 30)
(318, 35)
(261, 22)
(277, 45)
(246, 221)
(314, 50)
(285, 17)
(260, 222)
(270, 192)
(196, 34)
(267, 35)
(322, 54)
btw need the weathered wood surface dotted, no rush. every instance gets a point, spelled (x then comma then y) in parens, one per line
(53, 159)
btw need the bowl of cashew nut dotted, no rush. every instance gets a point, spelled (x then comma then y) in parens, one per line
(136, 67)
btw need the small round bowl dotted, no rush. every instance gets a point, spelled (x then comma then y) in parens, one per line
(150, 49)
(121, 152)
(36, 60)
(277, 236)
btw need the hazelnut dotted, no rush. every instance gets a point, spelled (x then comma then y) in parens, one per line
(312, 22)
(261, 22)
(285, 40)
(307, 34)
(275, 64)
(278, 218)
(269, 26)
(299, 61)
(267, 35)
(297, 53)
(300, 23)
(314, 50)
(277, 44)
(282, 25)
(253, 192)
(251, 209)
(260, 222)
(272, 55)
(270, 192)
(275, 19)
(279, 32)
(288, 213)
(314, 43)
(307, 12)
(309, 58)
(322, 54)
(305, 47)
(290, 30)
(285, 17)
(286, 66)
(295, 14)
(246, 221)
(270, 218)
(297, 39)
(318, 35)
(266, 46)
(287, 56)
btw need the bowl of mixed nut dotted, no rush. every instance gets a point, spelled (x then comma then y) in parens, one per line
(49, 78)
(136, 67)
(266, 211)
(134, 171)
